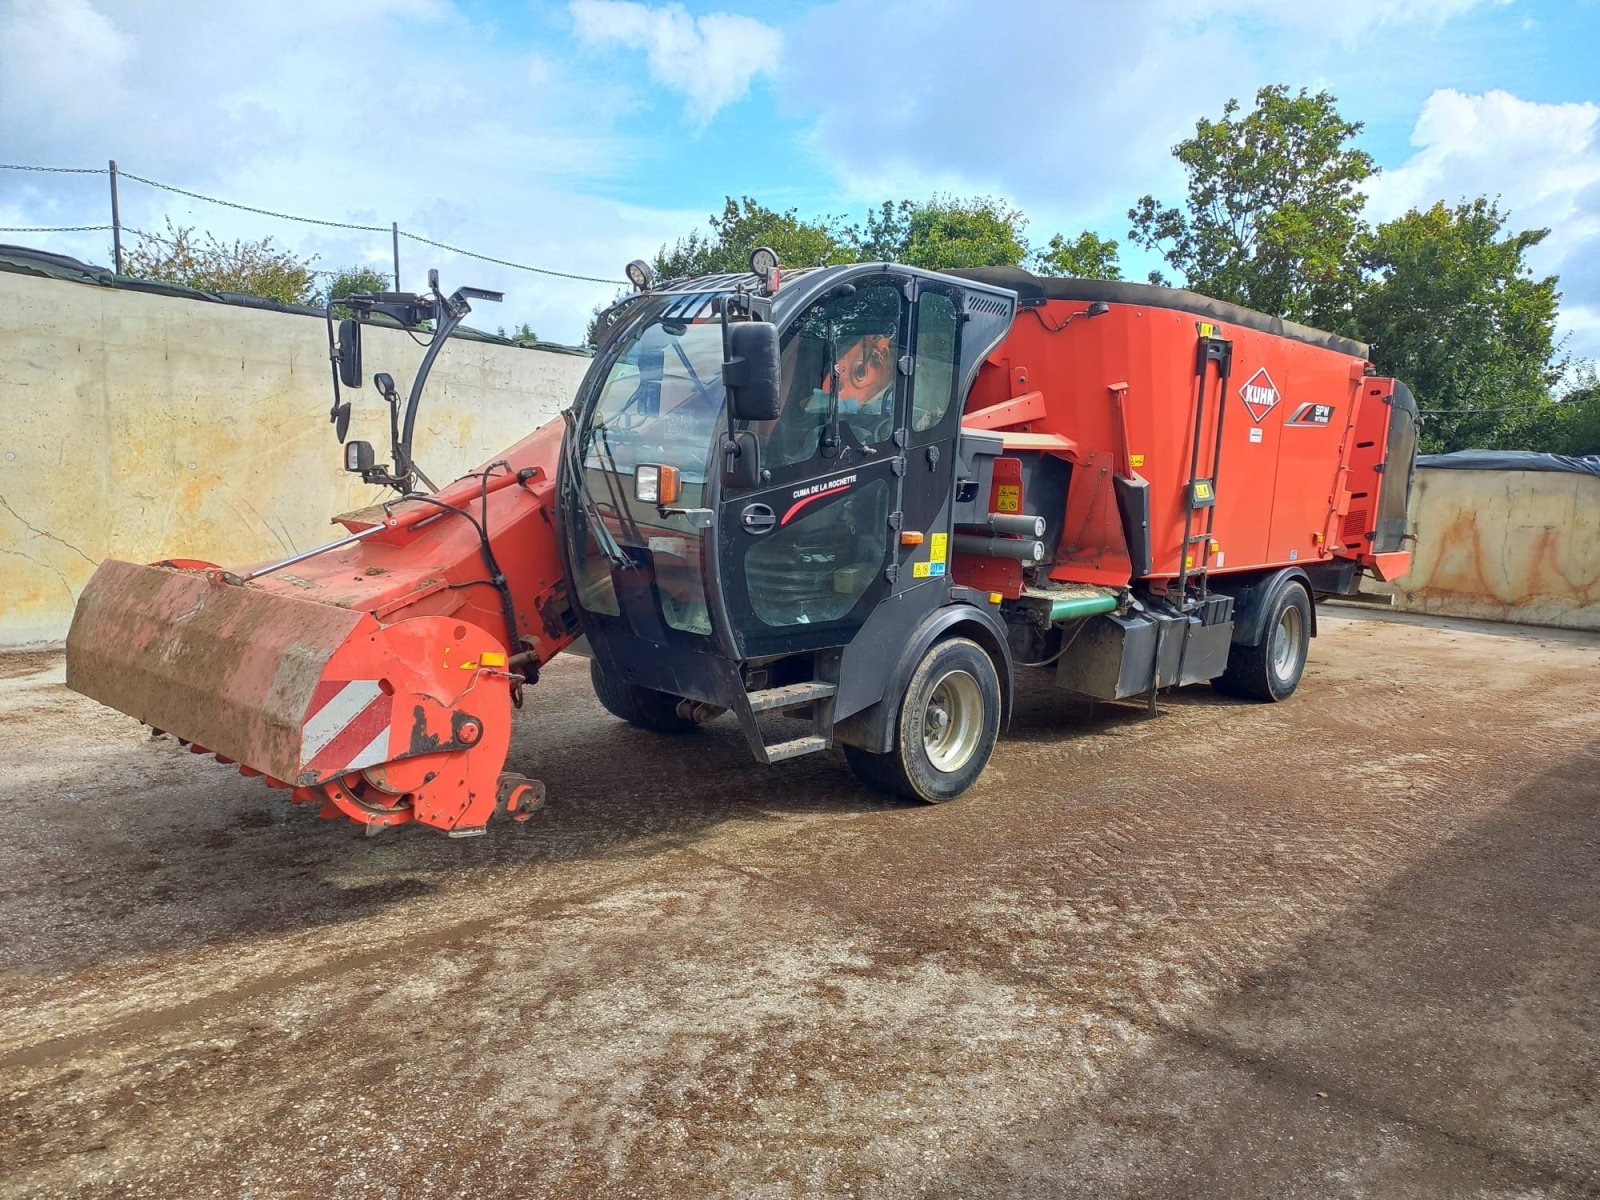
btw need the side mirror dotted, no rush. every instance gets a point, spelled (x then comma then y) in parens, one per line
(741, 460)
(752, 371)
(341, 421)
(350, 352)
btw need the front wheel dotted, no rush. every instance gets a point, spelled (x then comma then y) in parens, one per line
(638, 706)
(945, 732)
(1272, 670)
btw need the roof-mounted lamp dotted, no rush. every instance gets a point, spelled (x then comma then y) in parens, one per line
(640, 275)
(764, 265)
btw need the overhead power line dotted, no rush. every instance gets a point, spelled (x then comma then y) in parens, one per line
(1473, 412)
(282, 216)
(56, 170)
(265, 212)
(52, 228)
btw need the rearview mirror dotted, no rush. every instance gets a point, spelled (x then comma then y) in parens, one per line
(350, 352)
(741, 460)
(341, 421)
(752, 371)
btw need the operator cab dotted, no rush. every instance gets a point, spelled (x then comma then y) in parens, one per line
(775, 536)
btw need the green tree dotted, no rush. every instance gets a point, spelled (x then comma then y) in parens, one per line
(1451, 307)
(523, 334)
(348, 281)
(210, 265)
(1574, 423)
(948, 232)
(1273, 210)
(1088, 256)
(742, 226)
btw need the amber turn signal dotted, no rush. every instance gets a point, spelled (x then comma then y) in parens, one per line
(911, 537)
(658, 485)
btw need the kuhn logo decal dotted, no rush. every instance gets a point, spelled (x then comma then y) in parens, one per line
(1260, 395)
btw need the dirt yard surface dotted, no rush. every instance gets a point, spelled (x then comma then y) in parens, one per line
(1343, 946)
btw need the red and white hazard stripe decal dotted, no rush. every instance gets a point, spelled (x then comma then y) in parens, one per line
(347, 726)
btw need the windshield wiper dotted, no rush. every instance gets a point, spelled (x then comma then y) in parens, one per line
(615, 485)
(591, 511)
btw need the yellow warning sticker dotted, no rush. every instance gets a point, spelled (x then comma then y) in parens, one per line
(1009, 499)
(920, 570)
(1136, 460)
(1188, 562)
(936, 547)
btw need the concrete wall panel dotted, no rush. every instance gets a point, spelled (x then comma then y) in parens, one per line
(1519, 546)
(145, 427)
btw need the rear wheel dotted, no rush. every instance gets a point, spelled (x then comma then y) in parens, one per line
(946, 728)
(1272, 670)
(639, 706)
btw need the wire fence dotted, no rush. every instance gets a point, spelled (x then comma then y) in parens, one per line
(117, 227)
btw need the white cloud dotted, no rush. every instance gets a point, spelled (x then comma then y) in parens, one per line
(710, 59)
(392, 111)
(1541, 160)
(1071, 110)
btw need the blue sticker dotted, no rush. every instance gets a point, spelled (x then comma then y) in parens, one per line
(1293, 554)
(936, 569)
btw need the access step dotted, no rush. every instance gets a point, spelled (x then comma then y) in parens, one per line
(795, 748)
(790, 695)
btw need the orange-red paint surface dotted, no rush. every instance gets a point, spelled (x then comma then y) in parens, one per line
(1119, 395)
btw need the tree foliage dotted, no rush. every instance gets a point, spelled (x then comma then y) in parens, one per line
(1087, 256)
(942, 233)
(1272, 219)
(350, 281)
(1273, 208)
(743, 225)
(211, 265)
(1451, 307)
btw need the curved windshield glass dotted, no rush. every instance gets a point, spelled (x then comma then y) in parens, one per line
(660, 403)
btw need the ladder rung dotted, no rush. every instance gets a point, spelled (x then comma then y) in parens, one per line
(796, 747)
(790, 695)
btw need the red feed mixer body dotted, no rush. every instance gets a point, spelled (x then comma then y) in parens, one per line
(1304, 435)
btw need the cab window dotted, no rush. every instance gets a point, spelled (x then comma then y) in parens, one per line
(842, 354)
(934, 379)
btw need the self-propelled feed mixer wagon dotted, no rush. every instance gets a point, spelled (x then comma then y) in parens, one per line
(859, 497)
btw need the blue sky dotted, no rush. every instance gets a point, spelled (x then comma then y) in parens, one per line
(577, 134)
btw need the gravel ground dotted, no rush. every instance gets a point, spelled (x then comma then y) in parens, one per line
(1343, 946)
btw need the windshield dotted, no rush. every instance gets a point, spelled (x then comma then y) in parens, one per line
(660, 402)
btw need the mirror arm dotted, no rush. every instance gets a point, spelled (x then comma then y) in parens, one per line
(446, 317)
(333, 364)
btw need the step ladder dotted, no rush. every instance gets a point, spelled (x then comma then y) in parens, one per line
(818, 694)
(1200, 493)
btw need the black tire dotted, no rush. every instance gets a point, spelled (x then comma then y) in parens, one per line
(945, 729)
(1272, 670)
(638, 706)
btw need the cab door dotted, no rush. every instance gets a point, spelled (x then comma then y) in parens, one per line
(805, 556)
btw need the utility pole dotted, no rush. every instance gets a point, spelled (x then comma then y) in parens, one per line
(394, 232)
(116, 223)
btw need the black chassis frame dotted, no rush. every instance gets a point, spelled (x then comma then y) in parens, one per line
(870, 669)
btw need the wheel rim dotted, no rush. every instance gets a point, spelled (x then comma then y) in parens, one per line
(1286, 643)
(952, 722)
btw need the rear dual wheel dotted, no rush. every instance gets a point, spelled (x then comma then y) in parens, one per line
(1272, 670)
(946, 728)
